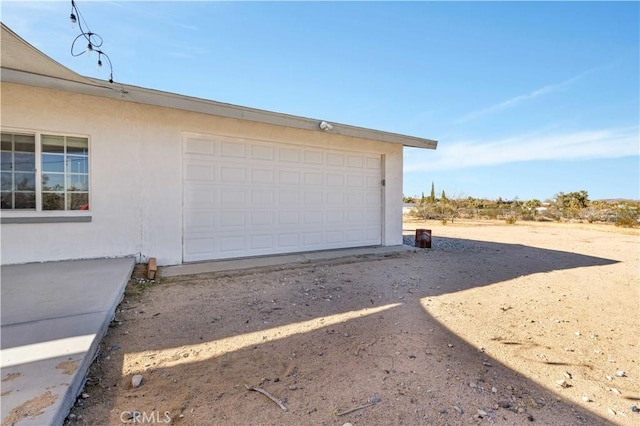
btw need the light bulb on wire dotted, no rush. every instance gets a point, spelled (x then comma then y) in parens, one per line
(94, 41)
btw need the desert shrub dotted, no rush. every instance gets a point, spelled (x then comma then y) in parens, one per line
(510, 220)
(491, 213)
(424, 211)
(527, 216)
(627, 218)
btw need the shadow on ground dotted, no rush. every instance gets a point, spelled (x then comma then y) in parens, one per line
(323, 338)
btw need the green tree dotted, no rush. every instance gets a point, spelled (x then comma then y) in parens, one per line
(443, 198)
(573, 203)
(573, 200)
(533, 204)
(432, 197)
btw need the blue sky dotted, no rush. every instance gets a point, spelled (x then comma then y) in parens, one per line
(525, 99)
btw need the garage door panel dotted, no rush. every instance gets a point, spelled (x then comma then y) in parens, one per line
(313, 157)
(371, 199)
(372, 216)
(355, 199)
(199, 246)
(288, 217)
(261, 218)
(335, 217)
(373, 163)
(262, 197)
(201, 196)
(336, 198)
(262, 152)
(288, 240)
(233, 243)
(200, 172)
(231, 218)
(372, 234)
(259, 242)
(204, 146)
(288, 177)
(355, 216)
(288, 198)
(355, 181)
(334, 237)
(313, 178)
(289, 155)
(334, 179)
(313, 217)
(230, 197)
(248, 198)
(261, 176)
(355, 235)
(312, 238)
(355, 161)
(200, 220)
(313, 198)
(233, 175)
(372, 182)
(230, 149)
(334, 159)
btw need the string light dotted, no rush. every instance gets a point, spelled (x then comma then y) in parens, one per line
(93, 40)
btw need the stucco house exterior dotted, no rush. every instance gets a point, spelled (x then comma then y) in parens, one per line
(92, 169)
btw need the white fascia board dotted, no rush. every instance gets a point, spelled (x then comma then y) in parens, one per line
(170, 100)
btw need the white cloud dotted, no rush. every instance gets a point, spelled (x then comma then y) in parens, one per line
(162, 13)
(584, 145)
(185, 50)
(516, 100)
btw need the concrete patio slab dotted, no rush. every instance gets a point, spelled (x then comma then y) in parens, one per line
(257, 262)
(53, 318)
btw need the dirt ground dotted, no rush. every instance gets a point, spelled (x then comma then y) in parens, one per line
(497, 323)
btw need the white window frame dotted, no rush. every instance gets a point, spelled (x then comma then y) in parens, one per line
(38, 215)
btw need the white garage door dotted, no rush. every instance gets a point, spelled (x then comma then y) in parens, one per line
(251, 198)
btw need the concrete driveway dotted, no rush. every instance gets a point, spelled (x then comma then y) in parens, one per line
(53, 317)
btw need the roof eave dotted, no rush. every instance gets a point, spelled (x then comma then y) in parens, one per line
(141, 95)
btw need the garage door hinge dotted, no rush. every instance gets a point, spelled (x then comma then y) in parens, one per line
(384, 182)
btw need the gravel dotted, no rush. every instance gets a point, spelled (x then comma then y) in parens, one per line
(444, 244)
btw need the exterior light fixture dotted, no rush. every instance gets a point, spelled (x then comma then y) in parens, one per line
(327, 127)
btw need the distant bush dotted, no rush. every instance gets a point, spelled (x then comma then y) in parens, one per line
(627, 218)
(527, 216)
(424, 211)
(491, 213)
(572, 207)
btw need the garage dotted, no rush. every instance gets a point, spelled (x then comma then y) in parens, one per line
(245, 198)
(188, 179)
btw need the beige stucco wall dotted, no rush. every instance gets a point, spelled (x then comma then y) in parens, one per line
(136, 176)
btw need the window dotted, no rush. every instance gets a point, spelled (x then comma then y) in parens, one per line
(44, 172)
(18, 171)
